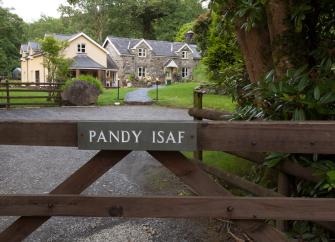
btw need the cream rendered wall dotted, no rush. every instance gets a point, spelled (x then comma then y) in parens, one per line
(92, 51)
(29, 67)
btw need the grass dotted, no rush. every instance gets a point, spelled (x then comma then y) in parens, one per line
(226, 162)
(109, 96)
(181, 95)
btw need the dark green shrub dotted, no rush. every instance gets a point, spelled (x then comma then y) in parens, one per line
(86, 78)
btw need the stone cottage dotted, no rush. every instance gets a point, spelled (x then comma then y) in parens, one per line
(152, 59)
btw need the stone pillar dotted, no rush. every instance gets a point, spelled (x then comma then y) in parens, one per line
(77, 72)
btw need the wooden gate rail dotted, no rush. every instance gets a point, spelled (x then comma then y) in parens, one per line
(289, 137)
(286, 137)
(169, 207)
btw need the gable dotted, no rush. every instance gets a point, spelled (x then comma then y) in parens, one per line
(96, 53)
(142, 43)
(185, 47)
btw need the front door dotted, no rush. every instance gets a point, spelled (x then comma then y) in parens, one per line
(37, 76)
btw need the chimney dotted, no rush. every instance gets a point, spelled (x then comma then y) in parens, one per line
(189, 36)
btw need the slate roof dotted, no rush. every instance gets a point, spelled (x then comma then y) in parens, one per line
(64, 37)
(24, 47)
(111, 64)
(34, 45)
(160, 48)
(84, 62)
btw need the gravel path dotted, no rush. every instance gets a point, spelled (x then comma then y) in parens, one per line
(30, 170)
(139, 96)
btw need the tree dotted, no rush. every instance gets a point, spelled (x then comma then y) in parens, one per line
(12, 34)
(53, 60)
(186, 11)
(48, 25)
(150, 19)
(288, 50)
(180, 37)
(89, 16)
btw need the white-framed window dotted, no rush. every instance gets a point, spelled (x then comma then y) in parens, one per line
(184, 72)
(142, 52)
(141, 72)
(184, 55)
(81, 48)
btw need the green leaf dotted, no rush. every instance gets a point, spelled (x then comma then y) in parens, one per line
(299, 114)
(304, 82)
(317, 93)
(327, 98)
(331, 176)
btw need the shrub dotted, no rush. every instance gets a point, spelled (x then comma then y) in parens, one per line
(87, 78)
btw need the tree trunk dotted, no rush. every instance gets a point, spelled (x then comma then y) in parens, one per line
(255, 46)
(277, 12)
(148, 31)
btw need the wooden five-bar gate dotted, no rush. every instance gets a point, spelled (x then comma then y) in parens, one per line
(13, 94)
(213, 200)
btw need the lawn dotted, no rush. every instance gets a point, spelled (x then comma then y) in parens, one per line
(226, 162)
(109, 96)
(181, 95)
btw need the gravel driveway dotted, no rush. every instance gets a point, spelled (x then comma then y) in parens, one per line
(26, 169)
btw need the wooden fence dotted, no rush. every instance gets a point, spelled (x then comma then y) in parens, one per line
(213, 200)
(27, 94)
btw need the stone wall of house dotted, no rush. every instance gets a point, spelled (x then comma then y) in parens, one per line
(128, 65)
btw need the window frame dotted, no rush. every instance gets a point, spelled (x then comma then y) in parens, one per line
(184, 72)
(81, 48)
(141, 72)
(142, 52)
(184, 55)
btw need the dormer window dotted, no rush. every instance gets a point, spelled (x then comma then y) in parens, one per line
(184, 55)
(81, 48)
(142, 52)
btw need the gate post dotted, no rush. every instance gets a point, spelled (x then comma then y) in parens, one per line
(283, 184)
(197, 103)
(7, 95)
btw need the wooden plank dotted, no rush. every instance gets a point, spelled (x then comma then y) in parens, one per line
(189, 173)
(202, 184)
(75, 184)
(286, 166)
(33, 83)
(25, 97)
(7, 95)
(286, 137)
(283, 185)
(197, 103)
(169, 207)
(31, 90)
(32, 104)
(253, 188)
(239, 182)
(209, 114)
(52, 133)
